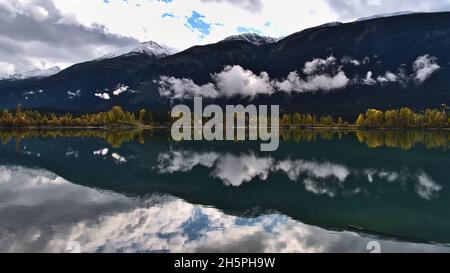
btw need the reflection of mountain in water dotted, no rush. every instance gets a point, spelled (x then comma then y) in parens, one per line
(109, 222)
(329, 183)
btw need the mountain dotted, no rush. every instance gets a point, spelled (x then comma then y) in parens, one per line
(384, 15)
(149, 48)
(252, 38)
(36, 74)
(342, 69)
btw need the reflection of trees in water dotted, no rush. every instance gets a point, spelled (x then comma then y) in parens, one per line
(403, 139)
(115, 138)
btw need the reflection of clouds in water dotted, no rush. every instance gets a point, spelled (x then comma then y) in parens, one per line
(234, 170)
(118, 158)
(102, 152)
(294, 169)
(43, 212)
(323, 178)
(384, 175)
(30, 153)
(184, 161)
(231, 169)
(70, 152)
(426, 187)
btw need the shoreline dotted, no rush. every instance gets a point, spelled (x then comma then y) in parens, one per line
(165, 127)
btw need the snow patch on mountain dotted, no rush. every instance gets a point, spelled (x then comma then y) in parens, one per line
(36, 74)
(330, 24)
(149, 48)
(251, 38)
(384, 15)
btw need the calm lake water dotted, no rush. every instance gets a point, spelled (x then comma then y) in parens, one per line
(130, 191)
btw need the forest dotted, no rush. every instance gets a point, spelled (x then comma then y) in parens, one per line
(117, 117)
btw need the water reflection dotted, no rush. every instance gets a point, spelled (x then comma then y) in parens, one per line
(323, 182)
(402, 139)
(42, 212)
(323, 178)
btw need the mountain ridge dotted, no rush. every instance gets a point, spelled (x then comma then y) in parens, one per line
(391, 44)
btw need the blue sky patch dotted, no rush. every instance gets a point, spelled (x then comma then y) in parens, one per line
(248, 30)
(196, 22)
(166, 14)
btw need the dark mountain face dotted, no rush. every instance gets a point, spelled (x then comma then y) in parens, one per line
(377, 46)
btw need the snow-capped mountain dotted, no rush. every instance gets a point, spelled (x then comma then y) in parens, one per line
(36, 73)
(385, 15)
(149, 48)
(251, 38)
(330, 24)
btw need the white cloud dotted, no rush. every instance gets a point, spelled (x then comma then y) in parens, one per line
(318, 65)
(424, 67)
(88, 35)
(185, 88)
(369, 80)
(236, 81)
(232, 81)
(147, 23)
(73, 95)
(6, 70)
(103, 96)
(120, 89)
(387, 77)
(35, 34)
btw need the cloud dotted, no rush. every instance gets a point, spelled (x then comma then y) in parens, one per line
(234, 81)
(369, 79)
(249, 5)
(103, 96)
(387, 77)
(354, 9)
(120, 89)
(6, 70)
(324, 82)
(424, 67)
(73, 95)
(185, 88)
(318, 65)
(317, 75)
(36, 35)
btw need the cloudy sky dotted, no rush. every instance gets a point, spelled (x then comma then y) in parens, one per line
(37, 34)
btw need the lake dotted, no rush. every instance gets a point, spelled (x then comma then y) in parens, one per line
(140, 191)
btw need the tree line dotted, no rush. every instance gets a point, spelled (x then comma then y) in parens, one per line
(114, 117)
(373, 118)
